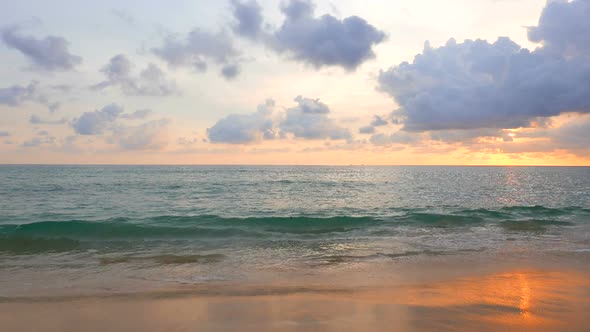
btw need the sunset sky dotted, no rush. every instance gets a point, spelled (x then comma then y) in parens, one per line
(484, 82)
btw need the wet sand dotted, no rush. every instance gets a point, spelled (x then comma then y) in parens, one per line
(444, 298)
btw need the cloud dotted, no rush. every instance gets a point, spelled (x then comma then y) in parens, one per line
(367, 130)
(230, 71)
(245, 128)
(564, 28)
(152, 135)
(197, 49)
(317, 41)
(467, 137)
(151, 81)
(39, 141)
(249, 20)
(378, 121)
(17, 95)
(573, 136)
(476, 84)
(35, 119)
(97, 122)
(399, 137)
(480, 85)
(50, 53)
(309, 120)
(137, 115)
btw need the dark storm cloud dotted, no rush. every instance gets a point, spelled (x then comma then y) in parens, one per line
(317, 41)
(197, 49)
(50, 53)
(308, 120)
(151, 81)
(245, 128)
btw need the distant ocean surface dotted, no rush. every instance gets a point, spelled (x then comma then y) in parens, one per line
(193, 224)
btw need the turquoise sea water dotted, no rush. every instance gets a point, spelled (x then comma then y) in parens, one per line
(199, 223)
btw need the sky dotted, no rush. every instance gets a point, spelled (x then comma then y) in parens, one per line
(290, 82)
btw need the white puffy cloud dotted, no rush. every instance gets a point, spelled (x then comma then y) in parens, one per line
(245, 128)
(317, 41)
(17, 95)
(151, 81)
(564, 27)
(198, 49)
(399, 137)
(50, 53)
(249, 20)
(137, 115)
(35, 119)
(39, 141)
(378, 121)
(308, 120)
(110, 123)
(97, 122)
(480, 85)
(152, 135)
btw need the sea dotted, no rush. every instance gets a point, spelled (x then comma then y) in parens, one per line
(122, 228)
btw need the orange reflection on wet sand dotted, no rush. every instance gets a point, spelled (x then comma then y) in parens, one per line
(525, 297)
(508, 301)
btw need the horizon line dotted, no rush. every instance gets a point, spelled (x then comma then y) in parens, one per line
(290, 165)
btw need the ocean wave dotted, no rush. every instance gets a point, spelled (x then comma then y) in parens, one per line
(19, 245)
(441, 220)
(165, 259)
(56, 236)
(532, 225)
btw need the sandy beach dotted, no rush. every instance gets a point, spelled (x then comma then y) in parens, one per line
(456, 295)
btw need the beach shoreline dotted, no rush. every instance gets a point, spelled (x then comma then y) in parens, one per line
(462, 293)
